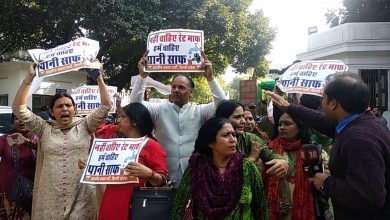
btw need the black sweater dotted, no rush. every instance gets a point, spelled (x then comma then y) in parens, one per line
(359, 185)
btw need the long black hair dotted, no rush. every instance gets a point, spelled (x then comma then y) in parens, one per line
(226, 108)
(207, 134)
(140, 115)
(58, 96)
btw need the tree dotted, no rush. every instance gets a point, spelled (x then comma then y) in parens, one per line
(232, 35)
(360, 11)
(234, 88)
(40, 24)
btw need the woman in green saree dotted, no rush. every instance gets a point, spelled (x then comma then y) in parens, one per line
(219, 181)
(249, 144)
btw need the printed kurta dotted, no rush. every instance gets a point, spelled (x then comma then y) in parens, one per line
(58, 193)
(26, 160)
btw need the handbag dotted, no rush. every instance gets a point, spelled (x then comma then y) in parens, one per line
(22, 191)
(152, 203)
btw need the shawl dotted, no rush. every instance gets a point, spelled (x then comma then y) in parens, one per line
(211, 191)
(74, 122)
(303, 202)
(250, 206)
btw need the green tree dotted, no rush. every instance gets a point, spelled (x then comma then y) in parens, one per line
(40, 23)
(232, 35)
(360, 11)
(234, 88)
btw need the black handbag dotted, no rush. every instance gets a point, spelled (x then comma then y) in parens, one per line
(22, 191)
(152, 203)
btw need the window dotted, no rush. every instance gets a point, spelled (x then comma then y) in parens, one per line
(5, 119)
(377, 81)
(4, 100)
(40, 100)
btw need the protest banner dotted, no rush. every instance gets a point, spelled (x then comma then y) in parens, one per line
(87, 98)
(150, 82)
(309, 77)
(175, 50)
(109, 157)
(75, 55)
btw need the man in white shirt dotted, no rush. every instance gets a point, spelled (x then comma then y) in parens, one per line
(178, 122)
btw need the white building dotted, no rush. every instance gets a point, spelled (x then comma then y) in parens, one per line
(365, 48)
(13, 69)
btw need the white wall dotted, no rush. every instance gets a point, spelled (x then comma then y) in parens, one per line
(12, 74)
(358, 33)
(358, 45)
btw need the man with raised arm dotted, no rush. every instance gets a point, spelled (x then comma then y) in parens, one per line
(178, 122)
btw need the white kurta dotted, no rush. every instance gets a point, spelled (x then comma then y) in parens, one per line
(58, 193)
(177, 128)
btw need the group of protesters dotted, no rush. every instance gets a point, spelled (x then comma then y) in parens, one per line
(223, 165)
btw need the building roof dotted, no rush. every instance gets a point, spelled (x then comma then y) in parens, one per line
(20, 55)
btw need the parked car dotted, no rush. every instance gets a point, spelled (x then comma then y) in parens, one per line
(5, 119)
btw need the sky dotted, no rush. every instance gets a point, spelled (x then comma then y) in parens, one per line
(291, 18)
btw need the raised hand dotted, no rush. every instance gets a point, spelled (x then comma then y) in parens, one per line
(141, 65)
(207, 66)
(31, 73)
(279, 101)
(31, 69)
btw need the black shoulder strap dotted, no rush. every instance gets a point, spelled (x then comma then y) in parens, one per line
(15, 162)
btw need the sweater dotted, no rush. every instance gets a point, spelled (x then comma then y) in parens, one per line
(359, 165)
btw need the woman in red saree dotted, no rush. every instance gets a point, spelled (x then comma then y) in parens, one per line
(135, 122)
(290, 197)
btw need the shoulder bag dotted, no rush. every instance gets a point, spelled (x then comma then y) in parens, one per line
(152, 203)
(22, 191)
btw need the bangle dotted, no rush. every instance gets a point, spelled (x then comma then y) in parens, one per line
(152, 175)
(27, 83)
